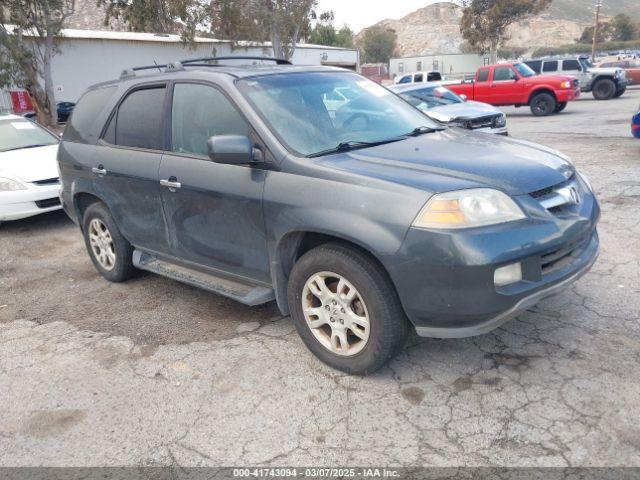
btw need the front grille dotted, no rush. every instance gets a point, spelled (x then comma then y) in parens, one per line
(560, 199)
(482, 122)
(48, 181)
(48, 203)
(562, 257)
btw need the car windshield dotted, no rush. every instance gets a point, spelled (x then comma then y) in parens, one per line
(19, 133)
(299, 108)
(524, 70)
(430, 97)
(586, 63)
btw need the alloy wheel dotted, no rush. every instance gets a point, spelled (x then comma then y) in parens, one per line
(336, 314)
(102, 244)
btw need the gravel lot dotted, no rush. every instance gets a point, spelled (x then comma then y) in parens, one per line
(153, 372)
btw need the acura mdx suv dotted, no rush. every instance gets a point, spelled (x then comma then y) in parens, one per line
(239, 180)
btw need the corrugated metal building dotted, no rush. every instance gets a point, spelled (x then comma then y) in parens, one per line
(448, 64)
(87, 57)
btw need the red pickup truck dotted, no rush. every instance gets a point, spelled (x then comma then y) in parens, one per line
(517, 84)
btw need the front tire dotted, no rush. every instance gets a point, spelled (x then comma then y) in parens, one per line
(110, 252)
(560, 107)
(543, 104)
(620, 92)
(346, 309)
(604, 89)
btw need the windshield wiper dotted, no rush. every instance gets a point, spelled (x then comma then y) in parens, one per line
(353, 145)
(416, 132)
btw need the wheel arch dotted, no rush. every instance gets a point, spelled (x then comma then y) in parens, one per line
(294, 245)
(540, 90)
(81, 201)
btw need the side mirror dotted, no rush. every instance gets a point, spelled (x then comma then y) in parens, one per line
(233, 150)
(464, 97)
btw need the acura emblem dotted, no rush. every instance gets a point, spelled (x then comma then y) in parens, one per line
(571, 195)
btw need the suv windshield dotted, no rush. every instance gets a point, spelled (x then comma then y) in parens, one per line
(299, 108)
(524, 70)
(18, 133)
(586, 63)
(431, 97)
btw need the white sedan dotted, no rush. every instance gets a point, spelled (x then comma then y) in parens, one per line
(29, 183)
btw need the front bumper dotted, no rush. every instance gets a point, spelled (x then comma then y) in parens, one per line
(445, 279)
(504, 131)
(36, 199)
(568, 95)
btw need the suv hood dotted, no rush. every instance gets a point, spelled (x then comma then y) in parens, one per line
(455, 159)
(466, 110)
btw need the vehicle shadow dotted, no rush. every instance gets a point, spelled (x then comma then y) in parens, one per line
(45, 221)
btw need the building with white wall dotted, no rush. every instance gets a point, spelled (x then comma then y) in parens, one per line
(87, 57)
(448, 64)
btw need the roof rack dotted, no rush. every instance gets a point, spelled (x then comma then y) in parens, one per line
(198, 62)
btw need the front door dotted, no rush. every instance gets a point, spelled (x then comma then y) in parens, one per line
(125, 167)
(506, 86)
(213, 211)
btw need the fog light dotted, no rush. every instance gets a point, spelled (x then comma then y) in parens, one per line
(508, 275)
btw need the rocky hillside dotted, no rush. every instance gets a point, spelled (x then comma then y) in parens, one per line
(436, 28)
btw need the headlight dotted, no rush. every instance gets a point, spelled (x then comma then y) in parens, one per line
(8, 185)
(566, 84)
(501, 121)
(468, 208)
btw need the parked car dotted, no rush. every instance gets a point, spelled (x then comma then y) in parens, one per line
(29, 182)
(604, 83)
(635, 124)
(63, 109)
(516, 84)
(418, 77)
(631, 68)
(237, 180)
(444, 106)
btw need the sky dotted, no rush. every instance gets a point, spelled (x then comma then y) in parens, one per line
(359, 14)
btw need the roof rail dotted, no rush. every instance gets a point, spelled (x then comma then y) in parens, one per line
(196, 62)
(278, 61)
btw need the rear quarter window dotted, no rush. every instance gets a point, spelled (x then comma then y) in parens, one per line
(83, 126)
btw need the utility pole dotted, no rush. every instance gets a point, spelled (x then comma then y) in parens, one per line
(595, 30)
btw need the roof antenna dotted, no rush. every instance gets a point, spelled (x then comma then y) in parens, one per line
(156, 64)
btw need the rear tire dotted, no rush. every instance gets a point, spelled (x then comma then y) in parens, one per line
(543, 104)
(320, 287)
(110, 252)
(560, 107)
(604, 89)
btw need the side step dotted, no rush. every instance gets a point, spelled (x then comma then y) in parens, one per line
(248, 294)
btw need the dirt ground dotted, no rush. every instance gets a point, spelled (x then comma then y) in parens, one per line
(153, 372)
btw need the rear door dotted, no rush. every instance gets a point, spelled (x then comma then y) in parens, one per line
(125, 171)
(482, 86)
(215, 216)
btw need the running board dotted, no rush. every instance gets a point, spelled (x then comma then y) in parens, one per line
(241, 292)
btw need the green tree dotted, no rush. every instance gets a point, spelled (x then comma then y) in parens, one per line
(605, 33)
(28, 32)
(623, 28)
(484, 23)
(378, 44)
(325, 33)
(157, 16)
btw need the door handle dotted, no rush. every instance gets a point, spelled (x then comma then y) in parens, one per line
(172, 184)
(99, 170)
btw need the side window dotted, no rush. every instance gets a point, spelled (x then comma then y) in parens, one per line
(483, 75)
(571, 65)
(501, 74)
(418, 78)
(535, 65)
(200, 112)
(550, 66)
(82, 123)
(405, 79)
(138, 121)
